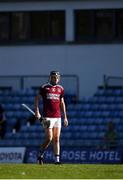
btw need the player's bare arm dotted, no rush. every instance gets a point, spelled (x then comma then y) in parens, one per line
(36, 104)
(63, 109)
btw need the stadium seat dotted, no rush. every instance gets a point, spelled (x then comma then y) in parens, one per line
(87, 118)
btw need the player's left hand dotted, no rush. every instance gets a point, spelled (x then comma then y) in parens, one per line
(65, 122)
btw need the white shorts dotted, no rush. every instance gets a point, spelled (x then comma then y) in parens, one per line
(54, 122)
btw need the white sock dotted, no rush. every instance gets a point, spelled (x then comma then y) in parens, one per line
(56, 158)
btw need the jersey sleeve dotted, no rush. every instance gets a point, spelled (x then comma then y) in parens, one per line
(62, 93)
(41, 89)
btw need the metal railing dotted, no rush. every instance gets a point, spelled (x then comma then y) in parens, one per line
(112, 81)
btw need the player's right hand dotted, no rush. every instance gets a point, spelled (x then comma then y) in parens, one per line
(37, 115)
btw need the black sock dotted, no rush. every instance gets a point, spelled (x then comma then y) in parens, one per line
(41, 152)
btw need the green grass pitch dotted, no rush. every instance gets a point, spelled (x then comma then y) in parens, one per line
(64, 171)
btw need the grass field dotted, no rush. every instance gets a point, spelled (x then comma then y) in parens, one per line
(65, 171)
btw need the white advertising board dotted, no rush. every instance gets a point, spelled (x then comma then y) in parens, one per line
(12, 154)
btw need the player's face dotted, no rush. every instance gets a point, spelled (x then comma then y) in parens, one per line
(54, 79)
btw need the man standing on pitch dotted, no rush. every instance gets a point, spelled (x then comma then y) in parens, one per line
(52, 95)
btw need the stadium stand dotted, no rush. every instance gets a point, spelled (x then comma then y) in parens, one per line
(87, 124)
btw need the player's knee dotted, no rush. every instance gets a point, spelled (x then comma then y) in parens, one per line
(56, 139)
(49, 139)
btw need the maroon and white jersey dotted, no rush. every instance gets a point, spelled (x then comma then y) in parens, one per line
(51, 96)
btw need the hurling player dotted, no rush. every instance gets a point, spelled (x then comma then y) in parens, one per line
(52, 95)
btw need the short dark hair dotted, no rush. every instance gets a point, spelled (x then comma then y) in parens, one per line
(57, 73)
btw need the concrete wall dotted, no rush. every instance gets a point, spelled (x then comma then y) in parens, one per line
(89, 62)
